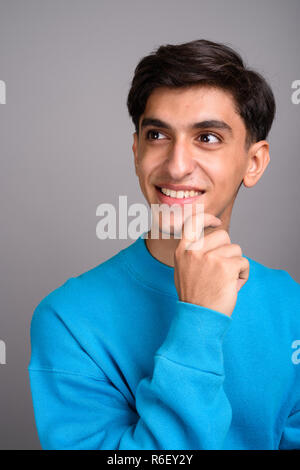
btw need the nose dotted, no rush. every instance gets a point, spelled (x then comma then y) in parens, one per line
(179, 162)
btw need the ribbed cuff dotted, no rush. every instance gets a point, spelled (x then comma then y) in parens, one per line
(195, 337)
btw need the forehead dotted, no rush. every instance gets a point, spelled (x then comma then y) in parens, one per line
(183, 106)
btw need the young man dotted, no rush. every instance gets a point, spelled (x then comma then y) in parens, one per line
(164, 347)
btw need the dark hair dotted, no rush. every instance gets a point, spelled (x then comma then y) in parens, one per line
(203, 62)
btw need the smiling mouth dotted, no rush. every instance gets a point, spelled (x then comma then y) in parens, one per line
(178, 196)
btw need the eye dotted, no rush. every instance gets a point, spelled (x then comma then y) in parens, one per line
(153, 132)
(209, 138)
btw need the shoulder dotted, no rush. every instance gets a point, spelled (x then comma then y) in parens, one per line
(81, 298)
(275, 276)
(275, 286)
(65, 322)
(95, 282)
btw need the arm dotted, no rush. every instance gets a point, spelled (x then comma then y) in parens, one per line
(181, 406)
(290, 439)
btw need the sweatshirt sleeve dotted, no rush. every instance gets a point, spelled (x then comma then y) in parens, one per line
(290, 439)
(182, 405)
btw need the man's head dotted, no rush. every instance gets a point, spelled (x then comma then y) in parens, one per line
(201, 120)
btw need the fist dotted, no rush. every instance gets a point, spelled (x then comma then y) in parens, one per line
(209, 272)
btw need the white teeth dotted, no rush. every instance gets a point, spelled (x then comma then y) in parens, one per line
(180, 194)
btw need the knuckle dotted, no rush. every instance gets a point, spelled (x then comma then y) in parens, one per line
(208, 256)
(212, 258)
(192, 253)
(224, 235)
(225, 267)
(237, 248)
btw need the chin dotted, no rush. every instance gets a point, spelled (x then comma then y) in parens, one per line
(167, 230)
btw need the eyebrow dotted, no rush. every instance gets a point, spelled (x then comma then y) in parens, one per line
(206, 124)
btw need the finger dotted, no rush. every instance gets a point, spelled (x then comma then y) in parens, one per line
(243, 271)
(244, 268)
(194, 225)
(228, 250)
(240, 283)
(214, 240)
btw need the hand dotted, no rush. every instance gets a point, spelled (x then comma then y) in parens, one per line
(210, 275)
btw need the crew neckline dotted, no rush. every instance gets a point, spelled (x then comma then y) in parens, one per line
(148, 269)
(152, 272)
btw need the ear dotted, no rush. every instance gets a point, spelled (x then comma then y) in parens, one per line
(135, 151)
(259, 158)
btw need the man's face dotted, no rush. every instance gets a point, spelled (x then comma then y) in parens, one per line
(210, 157)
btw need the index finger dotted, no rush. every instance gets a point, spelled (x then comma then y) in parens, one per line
(195, 223)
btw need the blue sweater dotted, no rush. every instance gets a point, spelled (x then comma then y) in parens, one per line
(118, 362)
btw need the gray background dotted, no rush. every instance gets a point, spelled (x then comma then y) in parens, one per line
(66, 147)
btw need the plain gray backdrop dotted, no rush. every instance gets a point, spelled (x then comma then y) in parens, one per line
(66, 142)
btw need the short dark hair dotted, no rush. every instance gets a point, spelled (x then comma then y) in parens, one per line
(203, 62)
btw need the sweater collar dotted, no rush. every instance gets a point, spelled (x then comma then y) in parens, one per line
(149, 270)
(155, 274)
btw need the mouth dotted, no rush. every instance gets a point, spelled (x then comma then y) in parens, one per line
(170, 196)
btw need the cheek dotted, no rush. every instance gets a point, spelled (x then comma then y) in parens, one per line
(224, 177)
(144, 172)
(226, 171)
(219, 173)
(147, 165)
